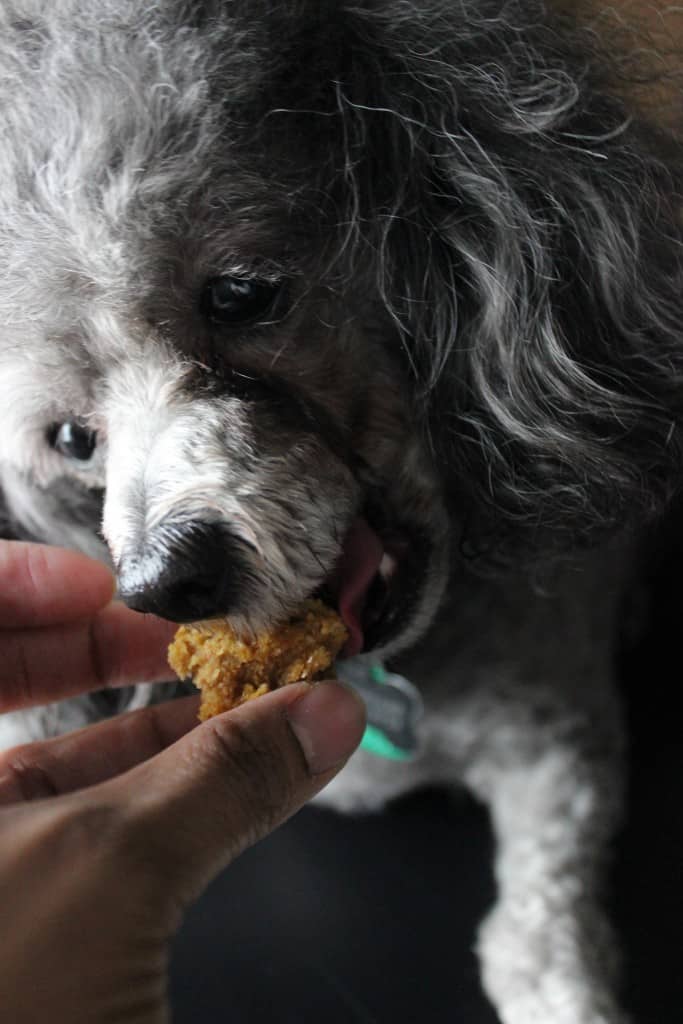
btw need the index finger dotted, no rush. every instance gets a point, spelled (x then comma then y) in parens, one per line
(115, 647)
(44, 586)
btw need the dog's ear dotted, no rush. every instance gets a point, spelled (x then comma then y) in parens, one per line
(526, 246)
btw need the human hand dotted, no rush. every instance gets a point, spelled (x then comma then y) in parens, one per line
(107, 834)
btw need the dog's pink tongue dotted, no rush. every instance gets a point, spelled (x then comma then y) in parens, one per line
(356, 570)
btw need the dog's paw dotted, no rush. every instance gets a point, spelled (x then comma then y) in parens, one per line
(540, 966)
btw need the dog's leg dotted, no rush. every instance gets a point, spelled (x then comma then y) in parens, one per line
(546, 950)
(536, 735)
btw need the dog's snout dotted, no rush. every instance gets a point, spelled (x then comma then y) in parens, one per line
(183, 572)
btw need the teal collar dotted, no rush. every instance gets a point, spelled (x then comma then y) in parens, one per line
(394, 708)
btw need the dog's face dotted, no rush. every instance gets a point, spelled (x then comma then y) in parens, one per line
(176, 335)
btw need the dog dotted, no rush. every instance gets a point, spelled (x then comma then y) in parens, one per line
(379, 301)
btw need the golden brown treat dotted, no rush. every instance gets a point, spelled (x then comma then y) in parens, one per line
(230, 669)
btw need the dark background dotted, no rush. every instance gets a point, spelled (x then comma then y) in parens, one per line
(344, 920)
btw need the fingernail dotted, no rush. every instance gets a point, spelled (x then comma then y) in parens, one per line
(328, 722)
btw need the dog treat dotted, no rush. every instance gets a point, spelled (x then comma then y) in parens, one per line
(230, 669)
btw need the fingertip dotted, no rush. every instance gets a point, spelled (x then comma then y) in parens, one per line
(90, 581)
(328, 721)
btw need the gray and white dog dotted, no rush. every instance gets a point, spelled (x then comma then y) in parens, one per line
(381, 300)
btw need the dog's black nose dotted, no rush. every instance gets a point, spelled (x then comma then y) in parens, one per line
(184, 572)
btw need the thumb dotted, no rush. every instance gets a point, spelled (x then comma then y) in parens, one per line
(193, 808)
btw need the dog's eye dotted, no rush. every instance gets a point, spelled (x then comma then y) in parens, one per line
(238, 300)
(72, 440)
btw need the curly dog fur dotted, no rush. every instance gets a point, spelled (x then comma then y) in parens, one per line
(459, 225)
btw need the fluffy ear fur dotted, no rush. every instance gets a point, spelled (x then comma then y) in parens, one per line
(531, 263)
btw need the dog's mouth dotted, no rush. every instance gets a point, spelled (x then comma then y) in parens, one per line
(376, 582)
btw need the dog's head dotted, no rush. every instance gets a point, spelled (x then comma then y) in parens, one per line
(186, 337)
(287, 281)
